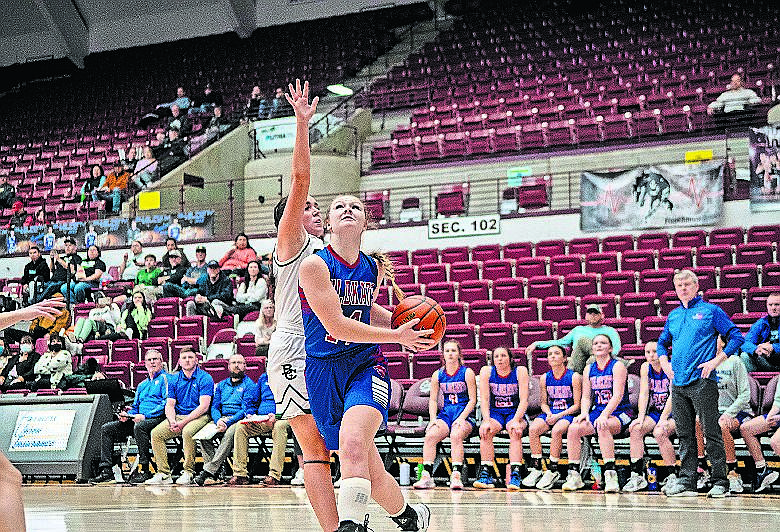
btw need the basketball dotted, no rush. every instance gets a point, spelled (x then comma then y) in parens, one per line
(429, 311)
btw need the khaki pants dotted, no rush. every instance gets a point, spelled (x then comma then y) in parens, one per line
(162, 433)
(241, 446)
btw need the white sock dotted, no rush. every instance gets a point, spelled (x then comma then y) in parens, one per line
(353, 499)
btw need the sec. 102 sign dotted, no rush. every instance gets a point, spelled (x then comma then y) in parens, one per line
(489, 224)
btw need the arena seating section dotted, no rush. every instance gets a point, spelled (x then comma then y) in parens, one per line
(53, 131)
(526, 78)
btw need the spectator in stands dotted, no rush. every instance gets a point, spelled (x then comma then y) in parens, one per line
(207, 101)
(114, 188)
(145, 170)
(172, 275)
(5, 356)
(257, 106)
(581, 339)
(19, 371)
(95, 181)
(734, 409)
(560, 392)
(135, 319)
(456, 419)
(238, 257)
(266, 325)
(146, 279)
(147, 411)
(653, 415)
(60, 267)
(690, 330)
(217, 121)
(186, 411)
(182, 101)
(7, 193)
(172, 152)
(189, 282)
(53, 365)
(736, 98)
(130, 158)
(215, 292)
(751, 431)
(37, 219)
(252, 290)
(231, 400)
(18, 216)
(132, 262)
(170, 245)
(178, 121)
(761, 350)
(101, 321)
(261, 419)
(279, 105)
(87, 276)
(503, 392)
(36, 273)
(605, 411)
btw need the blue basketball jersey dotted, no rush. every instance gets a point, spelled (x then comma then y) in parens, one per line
(355, 285)
(504, 392)
(454, 388)
(560, 392)
(601, 383)
(659, 389)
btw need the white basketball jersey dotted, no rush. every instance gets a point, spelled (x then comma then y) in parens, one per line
(286, 298)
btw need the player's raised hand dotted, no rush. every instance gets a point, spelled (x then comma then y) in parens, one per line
(299, 100)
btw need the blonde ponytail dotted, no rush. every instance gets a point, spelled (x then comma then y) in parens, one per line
(389, 269)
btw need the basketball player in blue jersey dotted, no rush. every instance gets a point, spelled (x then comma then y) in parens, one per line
(606, 411)
(346, 374)
(503, 390)
(654, 415)
(458, 386)
(560, 393)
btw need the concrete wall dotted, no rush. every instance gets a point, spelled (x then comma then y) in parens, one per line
(275, 12)
(19, 48)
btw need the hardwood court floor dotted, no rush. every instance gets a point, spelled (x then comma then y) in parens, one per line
(180, 509)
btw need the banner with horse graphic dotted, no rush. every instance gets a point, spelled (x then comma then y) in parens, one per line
(663, 195)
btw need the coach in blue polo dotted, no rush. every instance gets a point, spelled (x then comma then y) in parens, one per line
(692, 330)
(186, 412)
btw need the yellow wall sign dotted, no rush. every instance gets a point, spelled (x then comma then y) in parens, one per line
(697, 156)
(149, 200)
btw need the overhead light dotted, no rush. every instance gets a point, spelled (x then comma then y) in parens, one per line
(340, 90)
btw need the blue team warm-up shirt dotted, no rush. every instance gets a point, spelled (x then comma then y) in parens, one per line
(151, 395)
(187, 391)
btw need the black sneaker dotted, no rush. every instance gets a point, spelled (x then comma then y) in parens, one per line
(106, 476)
(201, 478)
(764, 479)
(351, 526)
(140, 475)
(417, 520)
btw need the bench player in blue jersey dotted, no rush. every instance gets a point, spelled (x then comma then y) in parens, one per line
(503, 390)
(560, 393)
(605, 411)
(346, 374)
(458, 387)
(654, 415)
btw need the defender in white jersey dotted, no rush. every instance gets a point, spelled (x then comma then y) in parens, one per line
(300, 231)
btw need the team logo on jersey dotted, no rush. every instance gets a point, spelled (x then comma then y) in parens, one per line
(381, 371)
(698, 316)
(289, 372)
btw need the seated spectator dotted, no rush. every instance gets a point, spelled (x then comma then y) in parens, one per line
(37, 219)
(7, 193)
(217, 121)
(231, 400)
(581, 339)
(172, 152)
(261, 419)
(186, 411)
(207, 101)
(257, 106)
(761, 350)
(736, 98)
(250, 292)
(60, 266)
(36, 273)
(130, 158)
(146, 279)
(266, 325)
(189, 283)
(178, 121)
(87, 276)
(147, 411)
(87, 371)
(172, 275)
(170, 245)
(18, 216)
(101, 321)
(134, 321)
(114, 188)
(751, 432)
(237, 257)
(279, 105)
(53, 365)
(145, 170)
(19, 371)
(182, 101)
(132, 262)
(95, 181)
(215, 292)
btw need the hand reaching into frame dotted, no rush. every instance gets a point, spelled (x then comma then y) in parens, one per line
(299, 100)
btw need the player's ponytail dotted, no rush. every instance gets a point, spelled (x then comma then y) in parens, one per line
(389, 269)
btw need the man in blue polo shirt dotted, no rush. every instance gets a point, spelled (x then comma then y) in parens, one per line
(231, 400)
(761, 350)
(692, 330)
(147, 412)
(186, 412)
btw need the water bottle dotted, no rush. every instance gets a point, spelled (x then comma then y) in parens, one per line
(652, 479)
(404, 471)
(595, 470)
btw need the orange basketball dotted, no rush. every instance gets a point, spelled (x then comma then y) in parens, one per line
(429, 311)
